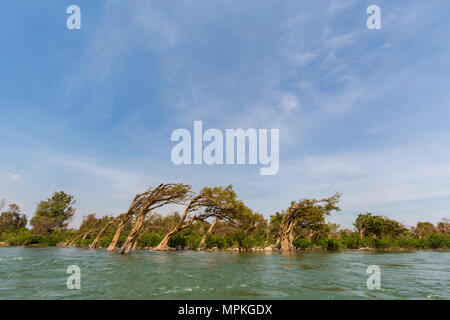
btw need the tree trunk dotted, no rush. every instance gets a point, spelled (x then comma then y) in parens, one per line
(165, 241)
(277, 244)
(115, 240)
(77, 237)
(99, 235)
(84, 237)
(141, 234)
(208, 233)
(286, 244)
(135, 244)
(179, 226)
(126, 248)
(311, 235)
(286, 237)
(267, 241)
(361, 233)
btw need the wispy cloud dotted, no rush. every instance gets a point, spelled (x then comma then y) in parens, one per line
(13, 176)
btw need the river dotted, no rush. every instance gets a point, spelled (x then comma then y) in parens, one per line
(40, 273)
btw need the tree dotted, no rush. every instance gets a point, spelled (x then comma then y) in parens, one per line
(105, 222)
(444, 226)
(162, 195)
(369, 225)
(141, 203)
(13, 218)
(218, 202)
(90, 224)
(54, 213)
(306, 213)
(274, 227)
(424, 229)
(208, 233)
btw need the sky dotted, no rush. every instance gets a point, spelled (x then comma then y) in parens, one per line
(362, 112)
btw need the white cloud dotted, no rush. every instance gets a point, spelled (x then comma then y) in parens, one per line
(13, 176)
(337, 5)
(339, 41)
(289, 102)
(303, 59)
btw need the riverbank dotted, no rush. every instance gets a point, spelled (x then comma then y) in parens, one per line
(234, 242)
(256, 249)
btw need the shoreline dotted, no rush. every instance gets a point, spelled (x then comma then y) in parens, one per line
(243, 250)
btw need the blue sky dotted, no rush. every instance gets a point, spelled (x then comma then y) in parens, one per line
(363, 112)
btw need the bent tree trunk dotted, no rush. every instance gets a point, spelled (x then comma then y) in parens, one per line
(135, 244)
(311, 235)
(126, 248)
(115, 240)
(84, 235)
(277, 244)
(208, 233)
(165, 241)
(179, 226)
(99, 235)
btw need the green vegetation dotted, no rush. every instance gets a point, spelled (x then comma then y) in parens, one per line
(214, 219)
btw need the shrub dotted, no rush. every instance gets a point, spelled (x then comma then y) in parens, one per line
(331, 244)
(302, 243)
(150, 240)
(438, 241)
(177, 240)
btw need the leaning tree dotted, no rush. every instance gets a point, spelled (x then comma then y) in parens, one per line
(153, 198)
(94, 243)
(218, 202)
(140, 206)
(306, 213)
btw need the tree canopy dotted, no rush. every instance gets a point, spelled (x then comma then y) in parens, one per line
(53, 213)
(369, 225)
(12, 218)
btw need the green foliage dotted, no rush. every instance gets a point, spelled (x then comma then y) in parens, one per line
(12, 219)
(329, 244)
(24, 237)
(150, 240)
(438, 241)
(178, 240)
(378, 226)
(349, 241)
(54, 213)
(302, 243)
(105, 241)
(236, 225)
(214, 241)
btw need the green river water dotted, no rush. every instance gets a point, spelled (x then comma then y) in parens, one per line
(40, 273)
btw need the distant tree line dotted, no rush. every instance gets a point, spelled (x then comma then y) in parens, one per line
(214, 218)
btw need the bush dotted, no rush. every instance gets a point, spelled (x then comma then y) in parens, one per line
(302, 243)
(177, 240)
(105, 241)
(214, 241)
(150, 240)
(193, 240)
(331, 244)
(349, 242)
(438, 241)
